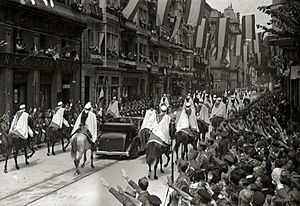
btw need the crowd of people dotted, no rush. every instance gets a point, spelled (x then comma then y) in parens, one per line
(251, 158)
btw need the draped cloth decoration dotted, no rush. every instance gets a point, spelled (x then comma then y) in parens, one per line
(194, 12)
(222, 35)
(238, 45)
(248, 27)
(177, 25)
(201, 34)
(163, 7)
(130, 10)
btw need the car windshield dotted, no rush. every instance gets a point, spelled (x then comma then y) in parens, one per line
(122, 120)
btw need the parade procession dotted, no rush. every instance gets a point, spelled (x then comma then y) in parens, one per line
(150, 102)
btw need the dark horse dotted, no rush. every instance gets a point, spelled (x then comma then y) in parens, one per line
(54, 134)
(79, 145)
(12, 141)
(185, 139)
(154, 152)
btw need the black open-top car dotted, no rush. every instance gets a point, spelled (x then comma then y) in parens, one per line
(119, 136)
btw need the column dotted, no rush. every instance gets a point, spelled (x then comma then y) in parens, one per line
(6, 90)
(33, 88)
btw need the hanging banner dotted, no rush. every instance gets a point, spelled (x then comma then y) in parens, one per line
(248, 27)
(163, 7)
(130, 10)
(200, 34)
(238, 45)
(194, 12)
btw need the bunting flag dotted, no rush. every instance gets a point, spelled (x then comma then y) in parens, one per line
(201, 34)
(176, 25)
(130, 10)
(257, 42)
(221, 35)
(258, 58)
(248, 27)
(101, 37)
(207, 45)
(245, 53)
(194, 12)
(163, 7)
(238, 45)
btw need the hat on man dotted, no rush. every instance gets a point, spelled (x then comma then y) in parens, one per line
(163, 108)
(88, 106)
(22, 106)
(215, 96)
(144, 181)
(201, 100)
(114, 98)
(219, 99)
(59, 103)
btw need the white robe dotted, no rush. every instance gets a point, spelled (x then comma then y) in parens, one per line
(162, 130)
(203, 114)
(184, 122)
(219, 111)
(91, 122)
(149, 120)
(58, 119)
(113, 108)
(20, 126)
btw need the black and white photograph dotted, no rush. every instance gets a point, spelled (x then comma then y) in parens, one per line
(150, 102)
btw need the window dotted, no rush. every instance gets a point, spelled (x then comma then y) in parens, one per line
(115, 80)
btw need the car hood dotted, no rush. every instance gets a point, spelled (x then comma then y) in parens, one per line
(112, 135)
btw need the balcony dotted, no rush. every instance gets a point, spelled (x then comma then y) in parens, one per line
(96, 59)
(128, 59)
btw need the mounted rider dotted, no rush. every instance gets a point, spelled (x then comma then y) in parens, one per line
(189, 100)
(86, 123)
(233, 106)
(203, 118)
(19, 125)
(149, 122)
(162, 130)
(58, 119)
(218, 113)
(164, 101)
(186, 120)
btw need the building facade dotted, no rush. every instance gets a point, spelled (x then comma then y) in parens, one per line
(40, 62)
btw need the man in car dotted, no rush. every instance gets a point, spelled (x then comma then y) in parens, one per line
(87, 124)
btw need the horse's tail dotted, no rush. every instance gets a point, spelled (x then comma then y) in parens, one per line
(153, 152)
(73, 147)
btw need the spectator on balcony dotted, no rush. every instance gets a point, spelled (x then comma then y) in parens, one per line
(20, 47)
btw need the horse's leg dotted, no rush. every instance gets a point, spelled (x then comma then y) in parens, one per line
(161, 163)
(16, 157)
(168, 157)
(77, 161)
(185, 151)
(62, 144)
(48, 146)
(92, 159)
(177, 144)
(53, 144)
(8, 152)
(25, 155)
(84, 159)
(155, 167)
(32, 150)
(149, 171)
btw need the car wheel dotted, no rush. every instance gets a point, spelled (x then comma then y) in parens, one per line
(134, 150)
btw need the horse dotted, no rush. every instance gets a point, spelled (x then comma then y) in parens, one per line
(11, 141)
(185, 139)
(55, 134)
(79, 145)
(154, 152)
(144, 135)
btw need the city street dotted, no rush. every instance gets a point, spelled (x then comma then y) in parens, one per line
(51, 180)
